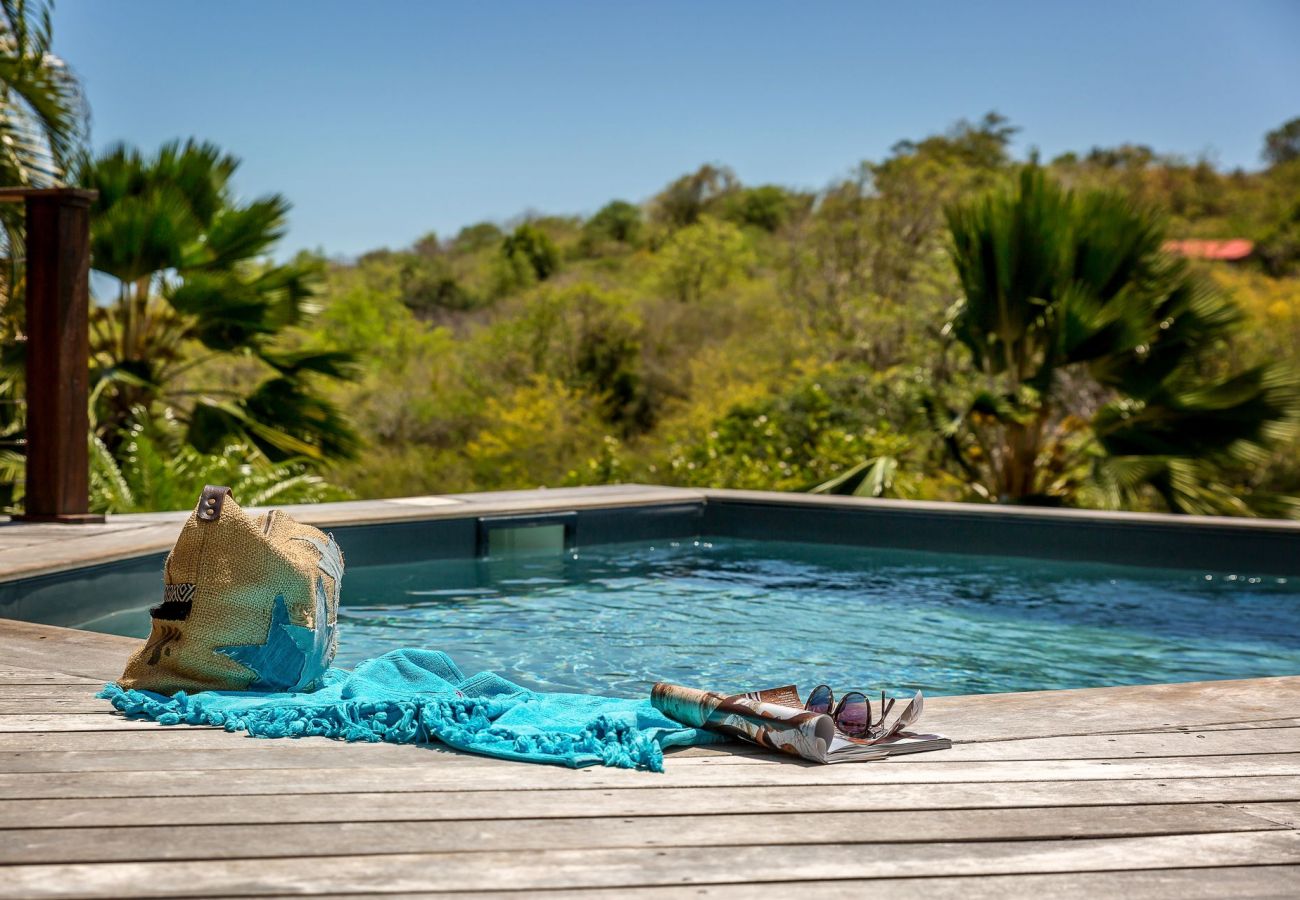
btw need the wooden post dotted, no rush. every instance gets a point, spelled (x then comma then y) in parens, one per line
(58, 350)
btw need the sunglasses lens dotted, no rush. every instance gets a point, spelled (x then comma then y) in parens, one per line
(854, 715)
(819, 701)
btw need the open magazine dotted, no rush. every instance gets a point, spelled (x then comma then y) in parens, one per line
(776, 719)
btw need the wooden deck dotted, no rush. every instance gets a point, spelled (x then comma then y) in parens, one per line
(1183, 791)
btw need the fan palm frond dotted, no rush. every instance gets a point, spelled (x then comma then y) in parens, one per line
(43, 114)
(1063, 288)
(871, 478)
(193, 286)
(155, 471)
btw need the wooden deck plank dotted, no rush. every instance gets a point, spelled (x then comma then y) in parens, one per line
(102, 721)
(572, 868)
(506, 775)
(1257, 882)
(221, 809)
(29, 677)
(1170, 741)
(192, 842)
(1259, 723)
(263, 754)
(8, 671)
(65, 651)
(1138, 708)
(211, 748)
(52, 721)
(168, 739)
(1285, 814)
(1105, 746)
(1050, 791)
(84, 690)
(51, 704)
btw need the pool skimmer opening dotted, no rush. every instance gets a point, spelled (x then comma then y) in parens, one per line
(507, 537)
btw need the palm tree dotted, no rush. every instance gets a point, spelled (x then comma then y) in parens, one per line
(150, 474)
(42, 114)
(191, 331)
(1099, 373)
(42, 111)
(43, 120)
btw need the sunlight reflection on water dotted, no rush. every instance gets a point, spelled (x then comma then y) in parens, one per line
(744, 614)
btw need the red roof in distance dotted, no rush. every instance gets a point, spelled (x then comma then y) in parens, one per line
(1234, 249)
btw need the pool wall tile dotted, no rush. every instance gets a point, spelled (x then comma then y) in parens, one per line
(408, 542)
(402, 542)
(614, 525)
(1125, 541)
(69, 598)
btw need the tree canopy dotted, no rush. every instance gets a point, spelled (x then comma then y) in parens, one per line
(948, 321)
(193, 297)
(1282, 144)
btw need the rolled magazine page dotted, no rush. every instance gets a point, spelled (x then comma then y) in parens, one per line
(794, 731)
(906, 717)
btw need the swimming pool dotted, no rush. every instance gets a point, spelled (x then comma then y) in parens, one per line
(736, 614)
(737, 590)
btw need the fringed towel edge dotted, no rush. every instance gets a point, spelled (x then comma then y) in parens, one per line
(462, 723)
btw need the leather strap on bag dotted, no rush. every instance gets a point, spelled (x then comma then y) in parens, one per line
(210, 502)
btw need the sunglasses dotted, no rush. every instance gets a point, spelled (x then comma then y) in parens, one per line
(853, 714)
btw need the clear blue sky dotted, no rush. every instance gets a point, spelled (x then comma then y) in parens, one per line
(383, 121)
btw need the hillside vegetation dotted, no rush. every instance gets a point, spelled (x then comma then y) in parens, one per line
(947, 322)
(754, 336)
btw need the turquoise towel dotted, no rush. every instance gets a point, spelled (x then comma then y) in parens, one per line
(417, 696)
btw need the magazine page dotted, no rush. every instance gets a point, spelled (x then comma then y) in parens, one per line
(786, 695)
(782, 728)
(905, 718)
(907, 742)
(845, 749)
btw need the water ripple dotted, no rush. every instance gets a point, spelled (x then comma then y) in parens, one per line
(740, 614)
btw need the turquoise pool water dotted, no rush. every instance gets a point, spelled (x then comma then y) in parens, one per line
(732, 614)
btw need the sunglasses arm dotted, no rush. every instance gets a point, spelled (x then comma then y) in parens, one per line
(885, 707)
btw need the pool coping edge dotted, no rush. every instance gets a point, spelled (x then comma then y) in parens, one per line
(29, 550)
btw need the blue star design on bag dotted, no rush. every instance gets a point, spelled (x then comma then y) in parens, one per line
(331, 560)
(278, 663)
(293, 657)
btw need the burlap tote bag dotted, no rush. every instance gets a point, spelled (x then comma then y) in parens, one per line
(249, 604)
